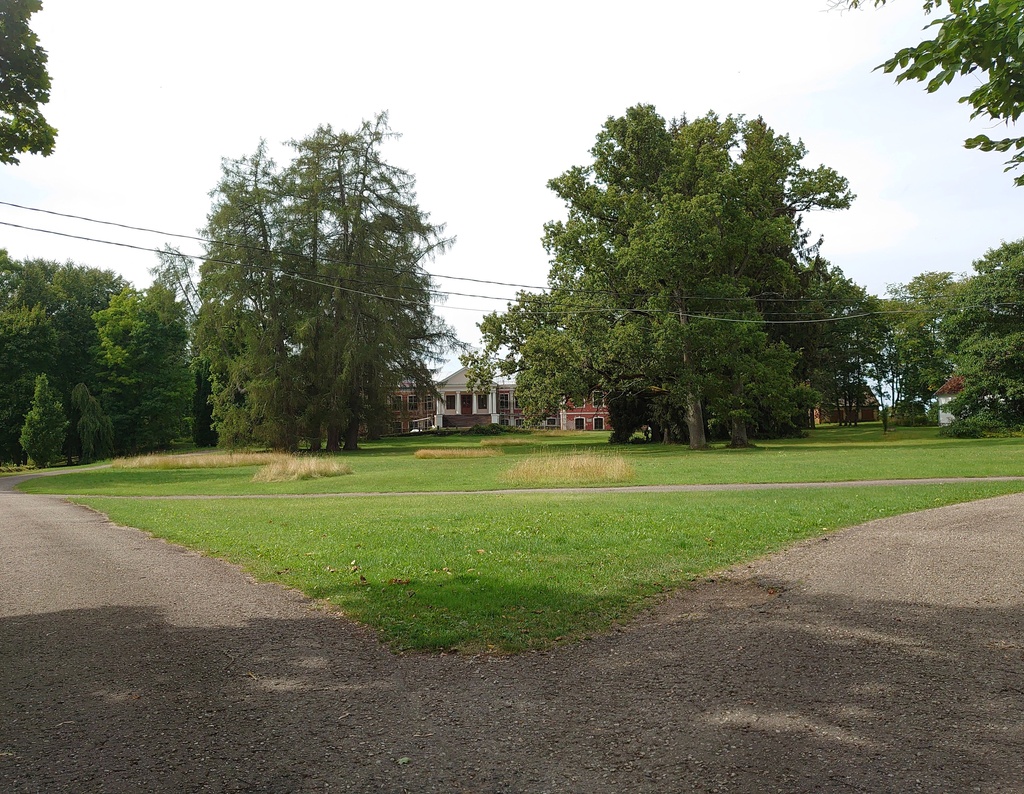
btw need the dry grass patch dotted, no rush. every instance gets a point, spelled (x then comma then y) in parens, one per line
(425, 454)
(577, 468)
(289, 468)
(200, 460)
(505, 442)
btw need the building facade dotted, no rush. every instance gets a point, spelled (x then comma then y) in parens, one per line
(456, 405)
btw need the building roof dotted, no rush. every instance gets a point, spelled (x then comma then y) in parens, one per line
(954, 385)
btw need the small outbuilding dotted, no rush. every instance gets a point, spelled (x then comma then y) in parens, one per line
(945, 395)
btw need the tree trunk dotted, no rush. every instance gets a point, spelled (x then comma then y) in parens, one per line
(695, 423)
(738, 438)
(352, 435)
(739, 433)
(334, 438)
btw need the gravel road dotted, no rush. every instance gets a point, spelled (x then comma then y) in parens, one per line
(885, 658)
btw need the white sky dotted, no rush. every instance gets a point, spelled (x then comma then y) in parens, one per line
(492, 100)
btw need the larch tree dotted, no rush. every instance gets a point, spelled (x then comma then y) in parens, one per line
(316, 304)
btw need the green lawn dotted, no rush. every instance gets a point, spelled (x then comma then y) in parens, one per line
(828, 455)
(507, 572)
(510, 572)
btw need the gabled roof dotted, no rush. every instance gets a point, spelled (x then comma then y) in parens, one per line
(954, 385)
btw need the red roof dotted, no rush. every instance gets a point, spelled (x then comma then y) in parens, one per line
(954, 385)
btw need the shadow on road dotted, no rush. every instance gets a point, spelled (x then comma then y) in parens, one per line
(731, 687)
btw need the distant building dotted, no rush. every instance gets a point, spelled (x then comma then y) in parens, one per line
(945, 395)
(456, 405)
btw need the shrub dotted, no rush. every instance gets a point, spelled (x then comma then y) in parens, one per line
(976, 426)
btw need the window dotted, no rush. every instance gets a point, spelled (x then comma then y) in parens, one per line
(503, 402)
(515, 402)
(598, 399)
(396, 427)
(396, 402)
(449, 402)
(519, 421)
(581, 423)
(503, 420)
(481, 402)
(598, 423)
(414, 402)
(428, 403)
(551, 421)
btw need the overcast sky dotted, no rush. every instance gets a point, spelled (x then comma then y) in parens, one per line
(492, 100)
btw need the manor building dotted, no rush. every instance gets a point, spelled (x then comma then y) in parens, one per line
(456, 405)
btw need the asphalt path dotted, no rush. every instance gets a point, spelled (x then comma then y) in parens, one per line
(888, 657)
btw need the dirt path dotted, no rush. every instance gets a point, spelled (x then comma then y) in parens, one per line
(885, 658)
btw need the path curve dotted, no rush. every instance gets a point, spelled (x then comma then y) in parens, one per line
(883, 658)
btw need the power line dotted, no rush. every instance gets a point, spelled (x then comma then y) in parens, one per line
(766, 296)
(550, 313)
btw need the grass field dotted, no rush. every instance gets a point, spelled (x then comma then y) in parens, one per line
(507, 572)
(829, 455)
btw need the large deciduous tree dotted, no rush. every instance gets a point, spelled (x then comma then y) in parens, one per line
(911, 359)
(145, 383)
(24, 84)
(679, 239)
(316, 305)
(985, 329)
(982, 39)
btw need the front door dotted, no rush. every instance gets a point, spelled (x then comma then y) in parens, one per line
(467, 403)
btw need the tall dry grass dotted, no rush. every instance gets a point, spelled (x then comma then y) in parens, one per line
(505, 442)
(290, 468)
(274, 466)
(582, 468)
(200, 460)
(425, 454)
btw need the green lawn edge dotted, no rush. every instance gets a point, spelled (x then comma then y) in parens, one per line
(499, 573)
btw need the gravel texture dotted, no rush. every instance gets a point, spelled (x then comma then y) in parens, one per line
(884, 658)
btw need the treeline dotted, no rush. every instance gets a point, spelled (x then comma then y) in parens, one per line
(686, 287)
(311, 307)
(104, 364)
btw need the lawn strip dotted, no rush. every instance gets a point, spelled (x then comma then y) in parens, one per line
(846, 454)
(505, 573)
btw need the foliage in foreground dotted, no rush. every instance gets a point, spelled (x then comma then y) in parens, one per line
(508, 573)
(24, 84)
(984, 40)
